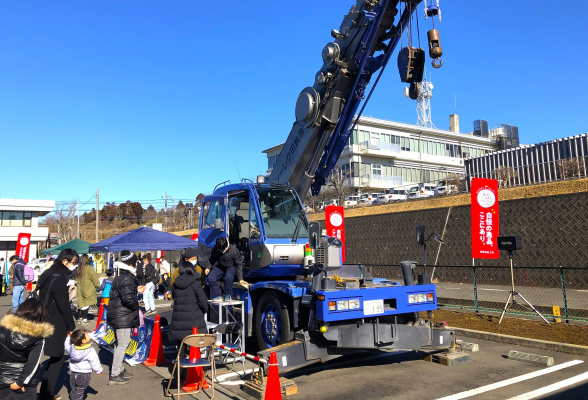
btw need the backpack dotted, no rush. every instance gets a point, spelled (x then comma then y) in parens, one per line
(28, 273)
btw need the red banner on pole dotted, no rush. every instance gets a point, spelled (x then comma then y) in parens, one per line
(485, 222)
(335, 225)
(22, 246)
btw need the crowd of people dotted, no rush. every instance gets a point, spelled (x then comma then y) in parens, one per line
(44, 323)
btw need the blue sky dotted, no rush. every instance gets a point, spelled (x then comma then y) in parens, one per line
(143, 98)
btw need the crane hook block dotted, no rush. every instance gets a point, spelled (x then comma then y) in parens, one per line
(414, 91)
(435, 50)
(411, 64)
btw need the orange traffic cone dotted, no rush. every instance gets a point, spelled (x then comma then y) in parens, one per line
(195, 379)
(100, 314)
(273, 389)
(156, 351)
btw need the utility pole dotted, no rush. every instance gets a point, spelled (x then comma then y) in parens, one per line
(165, 210)
(97, 213)
(78, 214)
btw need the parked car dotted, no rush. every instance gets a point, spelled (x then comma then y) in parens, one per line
(420, 192)
(391, 195)
(351, 201)
(367, 198)
(332, 202)
(443, 188)
(432, 188)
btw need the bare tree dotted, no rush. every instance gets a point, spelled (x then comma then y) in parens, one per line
(63, 220)
(571, 167)
(505, 176)
(339, 183)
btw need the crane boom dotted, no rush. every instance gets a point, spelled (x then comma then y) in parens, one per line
(325, 111)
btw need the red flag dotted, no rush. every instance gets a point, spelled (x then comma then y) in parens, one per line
(22, 246)
(485, 222)
(335, 225)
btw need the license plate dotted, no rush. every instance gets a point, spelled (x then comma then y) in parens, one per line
(372, 307)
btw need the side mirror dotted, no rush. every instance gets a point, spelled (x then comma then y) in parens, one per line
(218, 224)
(420, 234)
(314, 235)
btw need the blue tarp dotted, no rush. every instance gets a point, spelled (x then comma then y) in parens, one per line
(143, 239)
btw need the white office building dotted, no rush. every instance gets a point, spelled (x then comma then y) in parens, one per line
(22, 216)
(384, 154)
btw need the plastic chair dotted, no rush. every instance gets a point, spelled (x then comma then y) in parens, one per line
(197, 341)
(231, 328)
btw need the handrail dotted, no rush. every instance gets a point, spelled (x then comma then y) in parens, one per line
(220, 184)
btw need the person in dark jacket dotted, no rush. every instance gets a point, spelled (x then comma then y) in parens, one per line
(147, 277)
(190, 301)
(224, 263)
(22, 337)
(19, 281)
(123, 313)
(52, 288)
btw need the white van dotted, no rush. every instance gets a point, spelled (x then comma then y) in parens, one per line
(392, 195)
(367, 198)
(351, 201)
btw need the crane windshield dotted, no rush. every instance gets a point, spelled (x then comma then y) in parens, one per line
(281, 212)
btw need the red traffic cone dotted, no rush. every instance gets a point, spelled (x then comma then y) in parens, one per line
(156, 351)
(195, 379)
(100, 314)
(273, 389)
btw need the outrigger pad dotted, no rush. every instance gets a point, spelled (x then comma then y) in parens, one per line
(411, 64)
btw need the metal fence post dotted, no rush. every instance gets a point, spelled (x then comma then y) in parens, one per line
(475, 290)
(563, 290)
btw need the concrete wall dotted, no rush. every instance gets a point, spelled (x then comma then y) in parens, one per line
(551, 218)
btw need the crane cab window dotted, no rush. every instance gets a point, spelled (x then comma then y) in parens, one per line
(282, 213)
(212, 210)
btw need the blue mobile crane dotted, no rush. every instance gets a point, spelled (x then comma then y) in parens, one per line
(292, 306)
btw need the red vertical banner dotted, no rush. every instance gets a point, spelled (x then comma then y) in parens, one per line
(335, 225)
(23, 244)
(485, 222)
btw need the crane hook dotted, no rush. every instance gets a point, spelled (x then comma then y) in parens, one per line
(437, 65)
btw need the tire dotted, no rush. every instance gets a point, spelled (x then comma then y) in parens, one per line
(272, 322)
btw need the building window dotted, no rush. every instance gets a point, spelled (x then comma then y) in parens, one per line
(364, 136)
(15, 218)
(355, 169)
(377, 169)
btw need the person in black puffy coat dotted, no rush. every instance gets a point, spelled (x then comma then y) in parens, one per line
(123, 313)
(190, 304)
(22, 337)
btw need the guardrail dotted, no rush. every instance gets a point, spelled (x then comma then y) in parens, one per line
(483, 288)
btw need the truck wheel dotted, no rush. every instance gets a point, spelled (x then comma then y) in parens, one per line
(272, 322)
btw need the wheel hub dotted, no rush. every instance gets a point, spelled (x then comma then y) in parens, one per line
(271, 326)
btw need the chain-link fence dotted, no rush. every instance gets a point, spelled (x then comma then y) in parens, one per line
(487, 288)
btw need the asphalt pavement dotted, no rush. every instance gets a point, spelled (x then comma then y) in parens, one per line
(375, 375)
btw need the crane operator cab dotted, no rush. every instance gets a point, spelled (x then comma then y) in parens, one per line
(265, 222)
